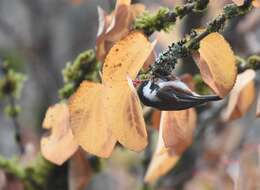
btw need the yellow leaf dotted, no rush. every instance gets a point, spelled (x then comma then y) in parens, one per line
(161, 162)
(217, 64)
(80, 171)
(88, 121)
(125, 116)
(126, 57)
(60, 144)
(178, 127)
(241, 97)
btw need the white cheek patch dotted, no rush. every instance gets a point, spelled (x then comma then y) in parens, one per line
(149, 93)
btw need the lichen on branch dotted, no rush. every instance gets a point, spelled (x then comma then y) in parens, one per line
(85, 67)
(166, 61)
(165, 18)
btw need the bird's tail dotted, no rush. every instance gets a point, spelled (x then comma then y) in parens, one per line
(208, 98)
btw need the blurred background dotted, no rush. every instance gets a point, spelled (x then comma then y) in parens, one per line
(40, 36)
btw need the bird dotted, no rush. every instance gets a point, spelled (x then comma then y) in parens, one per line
(170, 94)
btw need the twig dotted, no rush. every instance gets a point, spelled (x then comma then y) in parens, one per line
(252, 62)
(16, 124)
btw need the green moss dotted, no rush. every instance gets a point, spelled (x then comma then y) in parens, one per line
(12, 111)
(150, 23)
(11, 82)
(85, 67)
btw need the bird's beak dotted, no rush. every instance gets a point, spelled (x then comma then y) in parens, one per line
(137, 82)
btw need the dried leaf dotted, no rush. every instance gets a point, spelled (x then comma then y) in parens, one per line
(101, 46)
(115, 26)
(238, 2)
(161, 162)
(241, 97)
(217, 64)
(256, 3)
(125, 115)
(258, 107)
(178, 127)
(60, 144)
(80, 171)
(126, 57)
(88, 121)
(156, 116)
(119, 24)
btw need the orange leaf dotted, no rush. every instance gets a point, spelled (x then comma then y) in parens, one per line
(115, 26)
(241, 97)
(156, 115)
(239, 2)
(60, 144)
(88, 121)
(256, 3)
(217, 64)
(125, 116)
(161, 162)
(178, 127)
(126, 57)
(119, 24)
(80, 171)
(101, 46)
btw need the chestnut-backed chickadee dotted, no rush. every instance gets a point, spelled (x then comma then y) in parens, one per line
(169, 93)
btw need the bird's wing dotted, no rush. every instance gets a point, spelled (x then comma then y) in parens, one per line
(170, 92)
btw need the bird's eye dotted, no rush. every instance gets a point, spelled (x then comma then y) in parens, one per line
(154, 86)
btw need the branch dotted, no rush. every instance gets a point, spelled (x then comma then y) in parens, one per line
(11, 84)
(166, 61)
(166, 18)
(15, 109)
